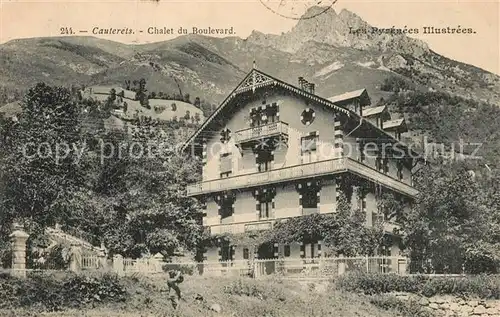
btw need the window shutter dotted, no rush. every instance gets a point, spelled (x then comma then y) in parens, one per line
(225, 163)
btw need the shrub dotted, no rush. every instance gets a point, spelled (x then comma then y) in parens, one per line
(408, 308)
(48, 292)
(183, 268)
(482, 286)
(379, 283)
(253, 288)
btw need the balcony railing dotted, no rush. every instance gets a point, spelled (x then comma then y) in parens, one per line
(256, 133)
(320, 168)
(370, 173)
(242, 227)
(273, 176)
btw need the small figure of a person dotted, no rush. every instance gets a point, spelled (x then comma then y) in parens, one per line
(173, 281)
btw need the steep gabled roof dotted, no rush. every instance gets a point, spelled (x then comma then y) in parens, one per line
(348, 96)
(372, 111)
(397, 124)
(256, 79)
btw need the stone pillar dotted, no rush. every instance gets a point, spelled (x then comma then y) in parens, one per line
(158, 260)
(18, 241)
(118, 264)
(101, 255)
(75, 259)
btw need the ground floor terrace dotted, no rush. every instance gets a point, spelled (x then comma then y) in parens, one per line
(298, 258)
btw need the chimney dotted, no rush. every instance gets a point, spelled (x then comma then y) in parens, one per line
(301, 82)
(311, 88)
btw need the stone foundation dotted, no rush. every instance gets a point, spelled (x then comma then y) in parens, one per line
(451, 306)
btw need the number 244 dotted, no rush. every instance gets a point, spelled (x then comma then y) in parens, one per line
(66, 31)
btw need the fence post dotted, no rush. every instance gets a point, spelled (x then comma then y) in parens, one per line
(118, 264)
(18, 242)
(367, 264)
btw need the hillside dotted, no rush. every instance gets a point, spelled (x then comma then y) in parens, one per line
(320, 49)
(161, 109)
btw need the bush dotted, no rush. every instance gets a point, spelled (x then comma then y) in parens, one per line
(379, 283)
(252, 288)
(183, 268)
(408, 308)
(48, 292)
(482, 286)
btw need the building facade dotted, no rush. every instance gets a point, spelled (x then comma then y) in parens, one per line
(274, 150)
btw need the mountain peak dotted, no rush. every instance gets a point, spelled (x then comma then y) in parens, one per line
(324, 25)
(316, 11)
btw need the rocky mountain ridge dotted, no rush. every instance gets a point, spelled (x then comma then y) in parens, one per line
(321, 49)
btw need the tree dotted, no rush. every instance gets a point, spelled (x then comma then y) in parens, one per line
(158, 216)
(455, 220)
(41, 176)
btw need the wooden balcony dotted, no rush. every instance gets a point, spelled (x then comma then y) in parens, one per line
(259, 225)
(261, 132)
(269, 177)
(314, 169)
(234, 228)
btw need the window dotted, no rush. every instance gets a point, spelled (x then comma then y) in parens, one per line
(226, 210)
(272, 112)
(265, 207)
(225, 165)
(309, 199)
(264, 159)
(246, 254)
(287, 250)
(226, 252)
(308, 144)
(307, 116)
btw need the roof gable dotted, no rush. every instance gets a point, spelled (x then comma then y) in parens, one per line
(348, 96)
(367, 112)
(257, 79)
(397, 124)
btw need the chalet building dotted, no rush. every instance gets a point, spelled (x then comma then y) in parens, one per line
(275, 150)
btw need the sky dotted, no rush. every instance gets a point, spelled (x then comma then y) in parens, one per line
(36, 18)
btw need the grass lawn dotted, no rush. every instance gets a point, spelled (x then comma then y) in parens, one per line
(236, 297)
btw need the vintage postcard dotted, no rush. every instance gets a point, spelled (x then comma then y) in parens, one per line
(250, 158)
